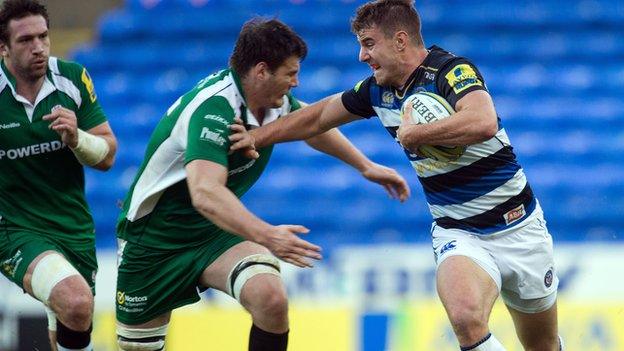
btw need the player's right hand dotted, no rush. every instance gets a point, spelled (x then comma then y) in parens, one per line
(284, 243)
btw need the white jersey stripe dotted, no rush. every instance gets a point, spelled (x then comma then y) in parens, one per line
(63, 84)
(427, 167)
(483, 203)
(166, 166)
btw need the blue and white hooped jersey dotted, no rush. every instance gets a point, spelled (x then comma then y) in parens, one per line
(485, 190)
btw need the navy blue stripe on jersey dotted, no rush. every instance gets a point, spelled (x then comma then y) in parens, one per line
(493, 220)
(475, 189)
(476, 170)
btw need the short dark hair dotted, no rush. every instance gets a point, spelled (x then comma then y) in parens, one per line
(390, 16)
(17, 9)
(265, 40)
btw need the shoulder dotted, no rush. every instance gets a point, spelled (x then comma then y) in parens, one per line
(216, 91)
(445, 61)
(68, 69)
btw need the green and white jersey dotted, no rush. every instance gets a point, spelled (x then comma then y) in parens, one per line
(158, 211)
(41, 182)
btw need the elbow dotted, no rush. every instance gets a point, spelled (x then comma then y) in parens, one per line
(109, 160)
(488, 130)
(107, 164)
(202, 204)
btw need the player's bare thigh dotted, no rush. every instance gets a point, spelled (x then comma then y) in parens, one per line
(216, 275)
(159, 321)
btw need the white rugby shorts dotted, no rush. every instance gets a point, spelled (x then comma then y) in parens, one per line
(519, 260)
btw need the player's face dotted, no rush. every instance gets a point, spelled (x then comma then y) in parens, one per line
(279, 82)
(27, 52)
(380, 53)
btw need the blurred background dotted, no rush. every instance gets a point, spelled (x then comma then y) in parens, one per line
(555, 70)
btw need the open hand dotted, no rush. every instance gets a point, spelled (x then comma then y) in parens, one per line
(395, 185)
(284, 243)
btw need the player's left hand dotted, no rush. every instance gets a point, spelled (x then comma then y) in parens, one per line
(394, 184)
(64, 122)
(242, 140)
(404, 133)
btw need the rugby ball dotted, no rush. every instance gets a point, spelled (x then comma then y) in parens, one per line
(426, 108)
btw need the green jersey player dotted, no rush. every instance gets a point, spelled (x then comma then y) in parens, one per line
(51, 124)
(183, 228)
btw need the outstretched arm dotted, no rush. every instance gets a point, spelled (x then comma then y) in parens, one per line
(299, 125)
(334, 143)
(212, 199)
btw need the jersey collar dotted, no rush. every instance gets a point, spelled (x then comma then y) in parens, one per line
(400, 93)
(47, 88)
(248, 118)
(239, 86)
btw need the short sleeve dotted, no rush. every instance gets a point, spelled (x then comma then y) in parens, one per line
(358, 99)
(208, 132)
(90, 113)
(458, 78)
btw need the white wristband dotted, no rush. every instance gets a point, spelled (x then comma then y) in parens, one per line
(91, 149)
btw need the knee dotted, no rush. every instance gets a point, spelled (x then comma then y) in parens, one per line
(275, 303)
(266, 300)
(77, 310)
(468, 320)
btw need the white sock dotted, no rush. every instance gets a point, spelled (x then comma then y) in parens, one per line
(488, 343)
(561, 348)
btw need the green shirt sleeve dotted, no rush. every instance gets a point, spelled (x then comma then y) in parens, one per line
(88, 111)
(208, 132)
(294, 103)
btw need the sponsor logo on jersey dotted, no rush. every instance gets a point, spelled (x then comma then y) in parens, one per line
(429, 75)
(10, 125)
(451, 245)
(242, 168)
(462, 77)
(128, 300)
(213, 137)
(427, 165)
(217, 119)
(548, 278)
(514, 215)
(86, 79)
(387, 99)
(31, 150)
(9, 267)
